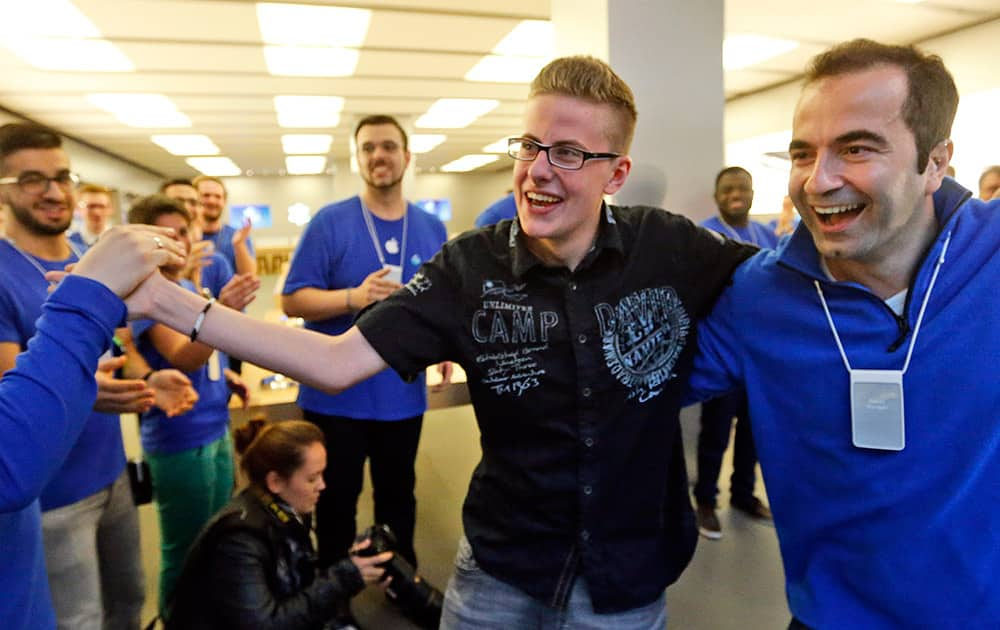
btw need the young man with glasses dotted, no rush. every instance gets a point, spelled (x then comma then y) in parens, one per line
(575, 326)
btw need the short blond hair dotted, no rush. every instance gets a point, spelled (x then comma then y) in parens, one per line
(590, 79)
(208, 178)
(93, 188)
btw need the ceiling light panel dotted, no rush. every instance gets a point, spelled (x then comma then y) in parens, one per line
(186, 144)
(308, 111)
(310, 25)
(501, 69)
(74, 55)
(141, 110)
(455, 113)
(468, 163)
(306, 143)
(215, 166)
(500, 146)
(530, 38)
(310, 61)
(425, 142)
(745, 50)
(305, 164)
(52, 18)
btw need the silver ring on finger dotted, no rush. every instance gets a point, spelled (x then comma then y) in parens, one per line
(158, 241)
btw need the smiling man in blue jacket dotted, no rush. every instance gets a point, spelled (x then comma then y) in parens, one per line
(869, 367)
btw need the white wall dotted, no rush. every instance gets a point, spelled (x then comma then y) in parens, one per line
(469, 193)
(762, 122)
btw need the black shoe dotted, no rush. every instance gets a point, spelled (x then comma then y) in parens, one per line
(754, 508)
(708, 522)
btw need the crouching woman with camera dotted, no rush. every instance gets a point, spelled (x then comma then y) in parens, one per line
(253, 566)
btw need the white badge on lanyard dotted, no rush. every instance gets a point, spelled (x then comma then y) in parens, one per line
(214, 369)
(877, 418)
(392, 246)
(877, 409)
(395, 273)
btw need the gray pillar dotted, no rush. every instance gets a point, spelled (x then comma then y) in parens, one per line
(670, 53)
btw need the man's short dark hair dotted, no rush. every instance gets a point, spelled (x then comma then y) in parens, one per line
(148, 209)
(16, 137)
(729, 170)
(180, 181)
(990, 170)
(382, 119)
(931, 99)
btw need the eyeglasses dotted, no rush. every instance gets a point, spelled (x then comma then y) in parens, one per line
(35, 183)
(559, 155)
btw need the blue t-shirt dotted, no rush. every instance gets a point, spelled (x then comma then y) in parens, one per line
(223, 241)
(205, 423)
(504, 208)
(98, 456)
(336, 252)
(754, 233)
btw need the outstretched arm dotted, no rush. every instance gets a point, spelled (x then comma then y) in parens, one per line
(328, 363)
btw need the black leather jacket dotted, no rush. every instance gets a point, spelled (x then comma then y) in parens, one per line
(253, 566)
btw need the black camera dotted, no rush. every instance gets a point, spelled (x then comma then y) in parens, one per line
(415, 597)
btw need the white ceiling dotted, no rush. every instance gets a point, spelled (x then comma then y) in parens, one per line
(207, 57)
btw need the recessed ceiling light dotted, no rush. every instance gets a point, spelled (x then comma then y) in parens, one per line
(308, 111)
(215, 166)
(186, 144)
(468, 163)
(306, 143)
(530, 38)
(310, 61)
(425, 142)
(141, 110)
(454, 113)
(500, 146)
(500, 69)
(305, 164)
(74, 55)
(745, 50)
(53, 18)
(310, 25)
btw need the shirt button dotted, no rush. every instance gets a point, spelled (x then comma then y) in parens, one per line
(586, 392)
(588, 442)
(582, 338)
(588, 490)
(585, 535)
(572, 286)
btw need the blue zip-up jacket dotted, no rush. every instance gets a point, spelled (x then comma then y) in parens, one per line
(44, 403)
(875, 539)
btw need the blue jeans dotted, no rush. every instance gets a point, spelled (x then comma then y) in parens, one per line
(476, 601)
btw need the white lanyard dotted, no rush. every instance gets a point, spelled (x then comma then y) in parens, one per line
(31, 259)
(378, 246)
(736, 236)
(920, 315)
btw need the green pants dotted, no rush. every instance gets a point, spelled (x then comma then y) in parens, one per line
(189, 487)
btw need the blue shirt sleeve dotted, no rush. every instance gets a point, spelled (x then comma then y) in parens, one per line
(716, 364)
(314, 260)
(47, 397)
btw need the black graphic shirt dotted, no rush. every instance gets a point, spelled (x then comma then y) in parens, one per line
(576, 379)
